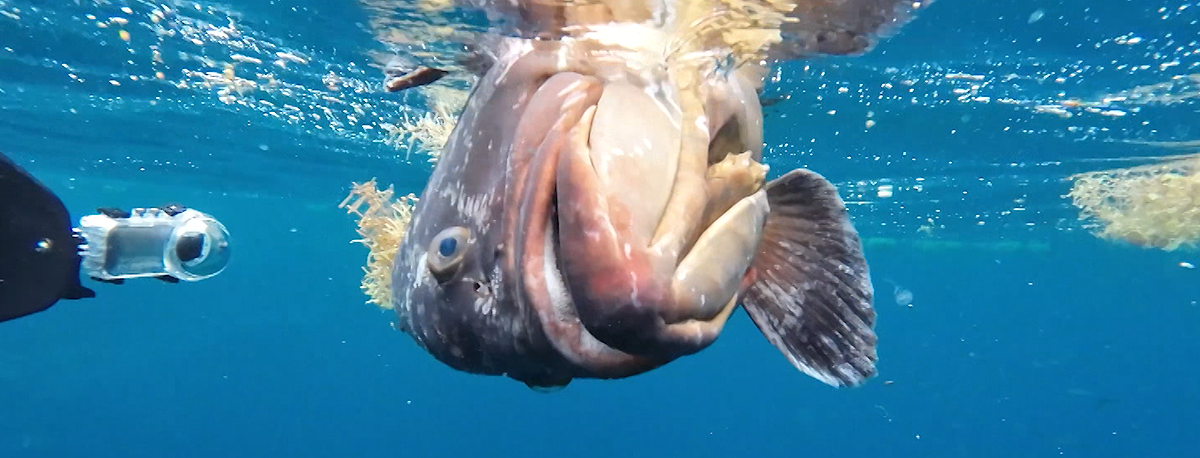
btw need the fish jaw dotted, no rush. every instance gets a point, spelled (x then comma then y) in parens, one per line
(570, 100)
(634, 288)
(655, 238)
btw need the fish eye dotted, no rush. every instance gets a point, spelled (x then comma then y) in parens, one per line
(447, 251)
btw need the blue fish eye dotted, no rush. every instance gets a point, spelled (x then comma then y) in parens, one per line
(447, 247)
(447, 251)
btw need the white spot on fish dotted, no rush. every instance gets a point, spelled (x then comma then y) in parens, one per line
(484, 304)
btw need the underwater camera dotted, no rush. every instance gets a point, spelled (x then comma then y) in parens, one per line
(153, 242)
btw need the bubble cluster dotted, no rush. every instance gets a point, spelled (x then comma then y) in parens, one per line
(180, 54)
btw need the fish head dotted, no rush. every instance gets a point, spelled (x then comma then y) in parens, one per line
(583, 223)
(451, 290)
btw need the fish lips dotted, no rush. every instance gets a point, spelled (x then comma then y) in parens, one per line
(558, 117)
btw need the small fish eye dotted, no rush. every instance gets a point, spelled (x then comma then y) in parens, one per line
(447, 251)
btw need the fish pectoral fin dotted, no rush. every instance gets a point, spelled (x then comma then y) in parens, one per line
(812, 297)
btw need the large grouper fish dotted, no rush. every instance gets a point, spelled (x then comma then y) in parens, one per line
(601, 208)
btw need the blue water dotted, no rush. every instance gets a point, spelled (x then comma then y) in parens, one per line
(1053, 343)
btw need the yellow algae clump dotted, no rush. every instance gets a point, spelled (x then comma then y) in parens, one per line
(381, 224)
(1151, 206)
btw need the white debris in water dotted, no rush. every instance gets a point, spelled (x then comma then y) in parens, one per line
(1037, 15)
(884, 191)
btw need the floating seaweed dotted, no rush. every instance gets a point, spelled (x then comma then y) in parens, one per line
(1151, 206)
(381, 224)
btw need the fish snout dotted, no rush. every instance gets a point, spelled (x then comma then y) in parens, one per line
(654, 239)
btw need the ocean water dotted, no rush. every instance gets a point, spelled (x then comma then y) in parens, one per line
(1026, 335)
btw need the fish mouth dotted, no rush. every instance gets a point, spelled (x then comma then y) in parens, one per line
(630, 139)
(562, 108)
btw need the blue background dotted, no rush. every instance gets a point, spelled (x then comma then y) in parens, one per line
(1060, 345)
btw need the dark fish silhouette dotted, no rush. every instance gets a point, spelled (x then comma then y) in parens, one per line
(39, 252)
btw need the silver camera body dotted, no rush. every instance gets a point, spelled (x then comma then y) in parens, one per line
(153, 242)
